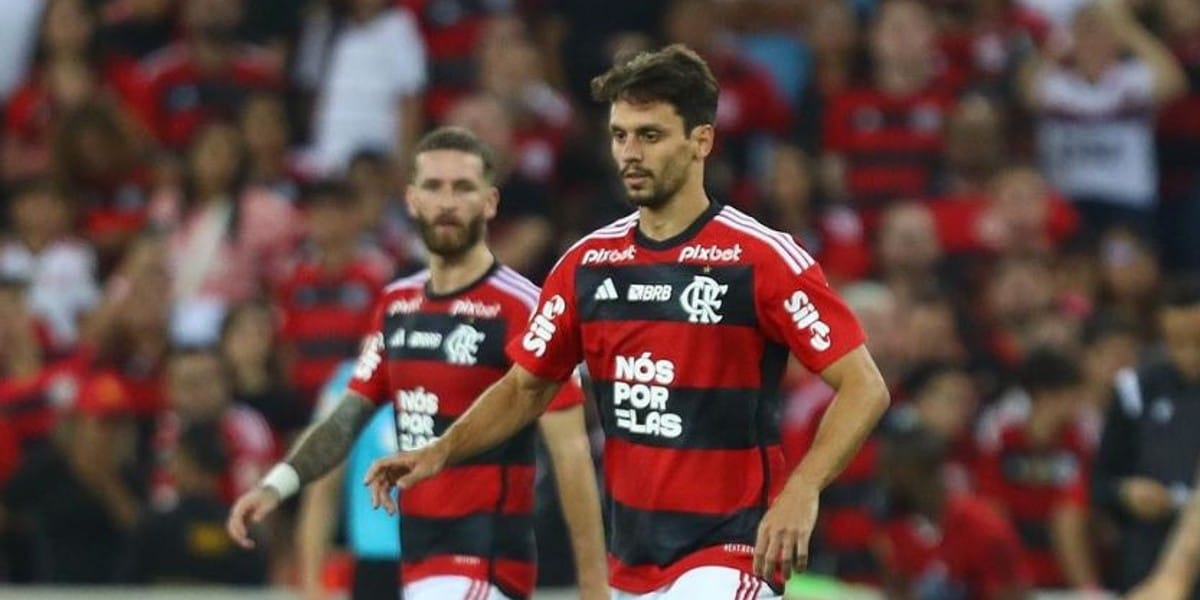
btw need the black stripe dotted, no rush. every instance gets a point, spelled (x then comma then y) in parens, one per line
(353, 295)
(425, 337)
(329, 347)
(516, 450)
(721, 418)
(736, 300)
(484, 535)
(642, 537)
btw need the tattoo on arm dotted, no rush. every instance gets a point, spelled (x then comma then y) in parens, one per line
(326, 444)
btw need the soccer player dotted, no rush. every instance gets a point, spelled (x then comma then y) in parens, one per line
(684, 313)
(438, 341)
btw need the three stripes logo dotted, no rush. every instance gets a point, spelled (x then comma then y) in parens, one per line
(606, 291)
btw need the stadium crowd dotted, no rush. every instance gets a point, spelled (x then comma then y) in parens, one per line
(203, 198)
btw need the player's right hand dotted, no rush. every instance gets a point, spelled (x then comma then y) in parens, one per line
(402, 471)
(1146, 498)
(252, 507)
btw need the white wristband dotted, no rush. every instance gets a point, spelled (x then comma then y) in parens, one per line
(284, 479)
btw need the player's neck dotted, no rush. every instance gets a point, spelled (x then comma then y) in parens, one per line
(448, 274)
(671, 219)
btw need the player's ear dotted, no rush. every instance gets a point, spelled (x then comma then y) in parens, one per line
(703, 136)
(491, 203)
(410, 199)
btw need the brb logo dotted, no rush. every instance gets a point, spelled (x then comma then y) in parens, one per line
(640, 396)
(542, 327)
(805, 316)
(702, 299)
(711, 253)
(462, 345)
(415, 410)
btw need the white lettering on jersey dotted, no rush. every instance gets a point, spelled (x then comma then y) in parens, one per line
(409, 306)
(641, 395)
(397, 339)
(606, 290)
(702, 299)
(711, 253)
(542, 327)
(414, 414)
(425, 340)
(604, 255)
(462, 345)
(471, 308)
(640, 292)
(805, 316)
(370, 357)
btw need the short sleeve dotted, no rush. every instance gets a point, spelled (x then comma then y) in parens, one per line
(798, 308)
(569, 395)
(370, 374)
(550, 345)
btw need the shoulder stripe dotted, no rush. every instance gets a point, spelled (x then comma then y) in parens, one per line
(1129, 392)
(413, 280)
(617, 229)
(522, 292)
(788, 258)
(786, 241)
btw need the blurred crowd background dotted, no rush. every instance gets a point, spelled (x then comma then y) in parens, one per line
(202, 199)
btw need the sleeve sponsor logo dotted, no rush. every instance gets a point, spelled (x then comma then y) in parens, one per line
(641, 396)
(406, 307)
(710, 253)
(597, 256)
(370, 357)
(805, 316)
(702, 299)
(542, 327)
(414, 417)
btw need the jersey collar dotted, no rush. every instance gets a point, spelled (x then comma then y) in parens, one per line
(682, 237)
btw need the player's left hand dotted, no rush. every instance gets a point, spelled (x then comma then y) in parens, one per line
(403, 471)
(784, 533)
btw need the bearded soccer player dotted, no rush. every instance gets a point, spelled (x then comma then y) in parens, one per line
(438, 342)
(684, 313)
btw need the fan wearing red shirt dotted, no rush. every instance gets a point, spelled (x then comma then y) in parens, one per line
(684, 313)
(437, 341)
(327, 298)
(938, 545)
(1035, 469)
(206, 76)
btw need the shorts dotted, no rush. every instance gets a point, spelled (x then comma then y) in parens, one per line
(701, 583)
(375, 579)
(451, 587)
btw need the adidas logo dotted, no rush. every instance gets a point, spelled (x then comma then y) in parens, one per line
(606, 291)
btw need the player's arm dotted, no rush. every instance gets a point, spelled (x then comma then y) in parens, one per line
(860, 400)
(316, 522)
(1179, 564)
(321, 448)
(505, 408)
(566, 438)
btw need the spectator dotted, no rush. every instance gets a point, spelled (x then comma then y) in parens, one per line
(938, 544)
(386, 223)
(987, 46)
(137, 29)
(199, 392)
(908, 251)
(1130, 276)
(1148, 453)
(368, 69)
(326, 300)
(975, 148)
(1034, 466)
(18, 39)
(61, 270)
(1095, 115)
(97, 165)
(264, 126)
(227, 240)
(933, 317)
(884, 139)
(943, 400)
(248, 340)
(1111, 343)
(187, 543)
(205, 76)
(837, 64)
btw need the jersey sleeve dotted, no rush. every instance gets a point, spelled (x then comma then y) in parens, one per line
(550, 346)
(370, 374)
(798, 308)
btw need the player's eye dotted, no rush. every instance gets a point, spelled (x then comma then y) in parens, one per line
(463, 187)
(619, 136)
(651, 136)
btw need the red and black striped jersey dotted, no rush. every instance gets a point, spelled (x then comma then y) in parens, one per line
(686, 340)
(432, 356)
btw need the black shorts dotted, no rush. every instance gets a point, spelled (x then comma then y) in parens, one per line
(376, 580)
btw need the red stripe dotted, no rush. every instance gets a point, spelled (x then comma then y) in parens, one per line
(478, 590)
(461, 491)
(646, 579)
(649, 478)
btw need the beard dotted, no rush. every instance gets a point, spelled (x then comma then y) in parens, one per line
(657, 189)
(454, 243)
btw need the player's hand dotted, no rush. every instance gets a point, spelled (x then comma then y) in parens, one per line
(1147, 499)
(252, 507)
(1159, 587)
(403, 471)
(784, 533)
